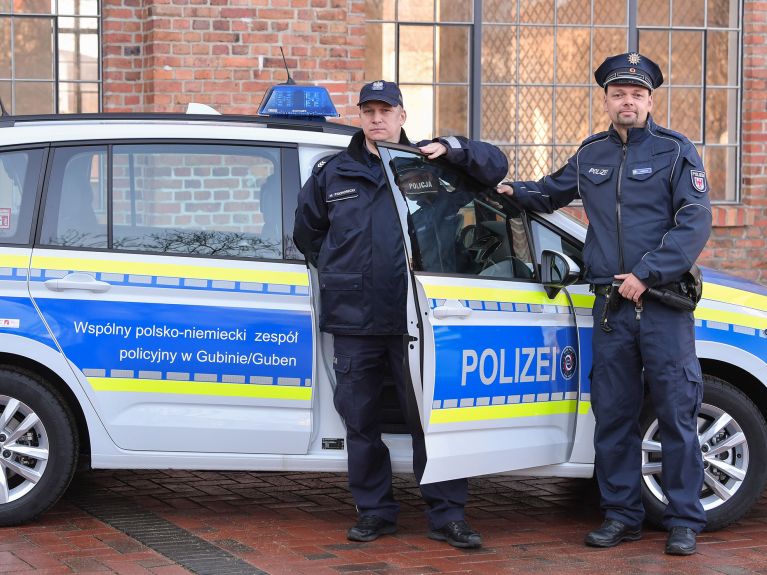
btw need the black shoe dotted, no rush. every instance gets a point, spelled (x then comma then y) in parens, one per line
(611, 533)
(458, 534)
(681, 541)
(369, 528)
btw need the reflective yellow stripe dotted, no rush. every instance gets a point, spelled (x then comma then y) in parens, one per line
(712, 291)
(491, 294)
(734, 296)
(171, 270)
(583, 300)
(198, 388)
(584, 407)
(485, 412)
(14, 261)
(731, 318)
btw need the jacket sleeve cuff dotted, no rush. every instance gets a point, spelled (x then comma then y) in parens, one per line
(643, 272)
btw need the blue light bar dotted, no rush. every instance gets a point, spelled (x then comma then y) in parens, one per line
(293, 101)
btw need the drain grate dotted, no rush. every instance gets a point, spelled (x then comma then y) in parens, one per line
(160, 535)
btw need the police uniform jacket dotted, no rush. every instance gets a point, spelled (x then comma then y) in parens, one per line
(347, 225)
(646, 201)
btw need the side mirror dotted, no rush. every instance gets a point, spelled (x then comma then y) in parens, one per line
(557, 272)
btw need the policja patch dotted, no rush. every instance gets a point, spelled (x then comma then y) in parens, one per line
(698, 180)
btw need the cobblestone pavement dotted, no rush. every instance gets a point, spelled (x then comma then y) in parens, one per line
(170, 522)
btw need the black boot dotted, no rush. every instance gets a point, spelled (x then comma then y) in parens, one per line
(681, 541)
(611, 533)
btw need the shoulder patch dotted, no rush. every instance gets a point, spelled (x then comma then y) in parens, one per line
(698, 178)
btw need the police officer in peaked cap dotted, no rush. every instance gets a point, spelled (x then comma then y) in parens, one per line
(645, 193)
(346, 226)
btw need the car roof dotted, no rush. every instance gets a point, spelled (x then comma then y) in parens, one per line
(15, 130)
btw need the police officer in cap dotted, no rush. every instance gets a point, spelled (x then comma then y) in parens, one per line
(644, 190)
(347, 226)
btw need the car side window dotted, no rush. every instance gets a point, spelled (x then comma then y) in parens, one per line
(75, 204)
(213, 200)
(457, 226)
(545, 238)
(19, 177)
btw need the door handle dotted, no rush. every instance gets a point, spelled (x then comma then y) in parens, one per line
(452, 308)
(79, 281)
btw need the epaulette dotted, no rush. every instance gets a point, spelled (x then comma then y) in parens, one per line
(322, 163)
(670, 132)
(594, 137)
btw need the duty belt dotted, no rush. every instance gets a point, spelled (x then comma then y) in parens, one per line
(600, 289)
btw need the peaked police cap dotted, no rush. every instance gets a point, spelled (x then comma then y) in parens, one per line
(381, 91)
(629, 68)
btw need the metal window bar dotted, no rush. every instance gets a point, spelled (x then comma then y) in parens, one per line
(704, 88)
(54, 16)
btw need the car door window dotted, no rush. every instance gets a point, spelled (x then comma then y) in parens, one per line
(545, 238)
(75, 208)
(213, 200)
(458, 226)
(19, 176)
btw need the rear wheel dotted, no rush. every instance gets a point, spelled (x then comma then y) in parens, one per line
(38, 446)
(733, 440)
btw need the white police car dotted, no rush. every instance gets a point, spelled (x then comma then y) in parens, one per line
(155, 314)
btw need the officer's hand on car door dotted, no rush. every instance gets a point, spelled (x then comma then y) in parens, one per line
(433, 150)
(504, 189)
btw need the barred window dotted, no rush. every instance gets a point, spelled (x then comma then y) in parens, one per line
(537, 98)
(697, 45)
(425, 46)
(50, 56)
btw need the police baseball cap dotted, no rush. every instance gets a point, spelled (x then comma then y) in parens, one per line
(630, 68)
(381, 91)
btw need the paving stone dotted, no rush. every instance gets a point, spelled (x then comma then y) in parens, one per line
(295, 524)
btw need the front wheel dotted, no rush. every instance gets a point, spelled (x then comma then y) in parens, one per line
(38, 447)
(733, 440)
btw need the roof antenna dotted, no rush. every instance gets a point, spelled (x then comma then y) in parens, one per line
(290, 80)
(3, 111)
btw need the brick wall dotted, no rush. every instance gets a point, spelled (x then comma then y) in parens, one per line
(738, 240)
(159, 55)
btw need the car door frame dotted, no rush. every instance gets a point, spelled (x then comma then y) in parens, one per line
(484, 437)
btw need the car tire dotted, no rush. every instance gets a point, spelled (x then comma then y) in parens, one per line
(39, 446)
(734, 458)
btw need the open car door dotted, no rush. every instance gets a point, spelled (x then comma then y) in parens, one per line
(493, 360)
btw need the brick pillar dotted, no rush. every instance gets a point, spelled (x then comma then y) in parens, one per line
(123, 48)
(162, 54)
(737, 242)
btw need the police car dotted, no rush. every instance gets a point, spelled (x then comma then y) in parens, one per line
(154, 313)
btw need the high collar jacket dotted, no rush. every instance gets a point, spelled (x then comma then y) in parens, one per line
(646, 201)
(347, 225)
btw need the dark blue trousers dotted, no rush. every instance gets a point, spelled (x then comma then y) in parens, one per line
(662, 343)
(359, 364)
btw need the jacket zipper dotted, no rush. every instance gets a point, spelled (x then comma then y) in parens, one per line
(618, 210)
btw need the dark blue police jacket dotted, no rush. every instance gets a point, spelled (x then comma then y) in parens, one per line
(347, 225)
(649, 196)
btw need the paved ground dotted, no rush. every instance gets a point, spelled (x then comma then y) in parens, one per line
(171, 522)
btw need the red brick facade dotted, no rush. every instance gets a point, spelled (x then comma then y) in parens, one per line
(160, 55)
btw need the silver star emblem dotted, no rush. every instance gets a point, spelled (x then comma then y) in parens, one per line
(634, 58)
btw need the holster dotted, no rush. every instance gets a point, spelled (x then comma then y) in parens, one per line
(671, 298)
(684, 294)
